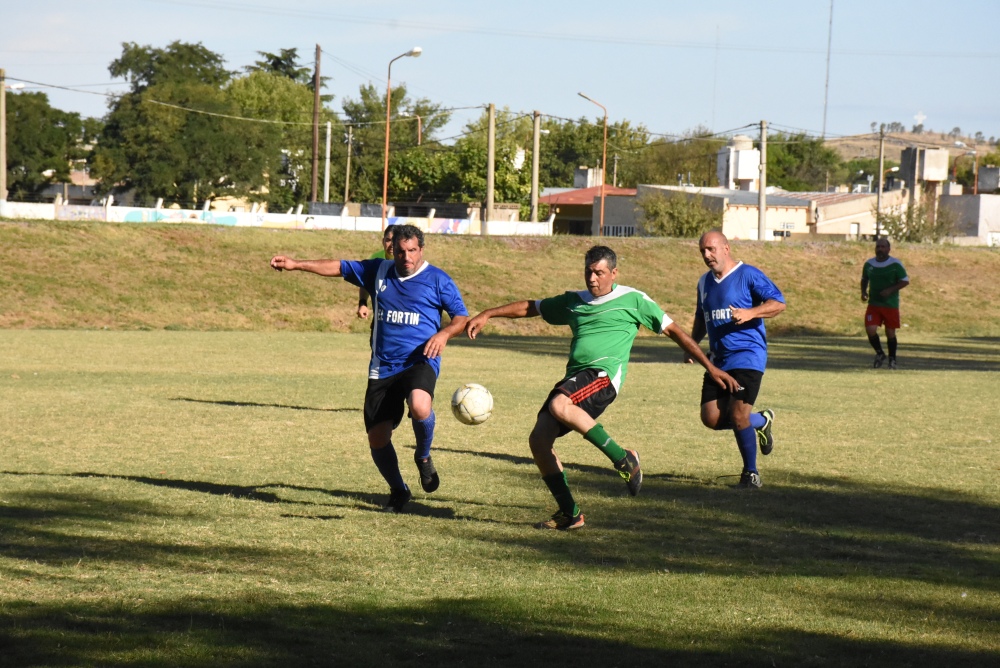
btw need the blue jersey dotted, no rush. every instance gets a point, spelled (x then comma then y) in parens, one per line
(735, 346)
(407, 312)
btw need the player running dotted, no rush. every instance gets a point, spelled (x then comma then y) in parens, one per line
(604, 319)
(733, 300)
(408, 296)
(886, 277)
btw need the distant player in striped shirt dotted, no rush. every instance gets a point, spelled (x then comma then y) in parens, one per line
(885, 277)
(605, 320)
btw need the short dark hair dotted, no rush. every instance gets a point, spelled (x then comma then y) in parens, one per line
(598, 253)
(389, 232)
(405, 233)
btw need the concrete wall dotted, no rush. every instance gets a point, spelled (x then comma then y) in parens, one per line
(978, 218)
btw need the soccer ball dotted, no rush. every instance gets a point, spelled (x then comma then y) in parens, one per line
(472, 404)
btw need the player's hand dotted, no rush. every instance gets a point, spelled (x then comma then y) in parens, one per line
(885, 293)
(280, 263)
(475, 326)
(864, 296)
(363, 311)
(435, 345)
(740, 315)
(724, 380)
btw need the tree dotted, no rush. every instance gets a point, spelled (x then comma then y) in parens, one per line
(690, 159)
(285, 63)
(176, 133)
(675, 215)
(918, 223)
(42, 144)
(802, 163)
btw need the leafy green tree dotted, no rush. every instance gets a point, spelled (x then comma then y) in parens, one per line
(918, 223)
(42, 144)
(802, 163)
(285, 63)
(690, 159)
(675, 215)
(176, 133)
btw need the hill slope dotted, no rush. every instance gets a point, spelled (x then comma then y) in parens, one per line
(93, 276)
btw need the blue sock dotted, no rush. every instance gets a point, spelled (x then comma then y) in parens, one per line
(757, 421)
(746, 440)
(388, 465)
(423, 430)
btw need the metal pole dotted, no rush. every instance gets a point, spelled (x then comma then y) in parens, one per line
(826, 87)
(414, 52)
(604, 161)
(3, 138)
(491, 142)
(762, 195)
(315, 146)
(347, 176)
(881, 181)
(535, 141)
(326, 178)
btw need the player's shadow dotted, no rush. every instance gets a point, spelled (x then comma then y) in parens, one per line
(254, 404)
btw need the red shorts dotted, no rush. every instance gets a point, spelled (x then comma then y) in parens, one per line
(876, 316)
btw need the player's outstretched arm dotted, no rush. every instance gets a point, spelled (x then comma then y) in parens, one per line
(695, 353)
(522, 309)
(435, 345)
(321, 267)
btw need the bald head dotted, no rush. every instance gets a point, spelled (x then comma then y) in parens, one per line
(714, 247)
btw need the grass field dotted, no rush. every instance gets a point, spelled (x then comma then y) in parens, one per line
(185, 498)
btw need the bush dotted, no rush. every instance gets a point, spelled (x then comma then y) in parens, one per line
(918, 223)
(675, 216)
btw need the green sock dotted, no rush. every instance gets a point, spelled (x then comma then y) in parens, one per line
(605, 443)
(559, 487)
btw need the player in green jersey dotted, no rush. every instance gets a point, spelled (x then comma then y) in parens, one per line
(384, 254)
(605, 320)
(881, 280)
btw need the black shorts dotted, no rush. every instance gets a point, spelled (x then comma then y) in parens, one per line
(590, 389)
(749, 380)
(385, 398)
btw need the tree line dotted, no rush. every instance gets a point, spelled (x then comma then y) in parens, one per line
(188, 130)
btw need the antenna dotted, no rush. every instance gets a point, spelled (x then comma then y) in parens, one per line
(826, 88)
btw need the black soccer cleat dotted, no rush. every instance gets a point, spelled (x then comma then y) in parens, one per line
(892, 362)
(750, 480)
(764, 438)
(879, 359)
(397, 499)
(560, 521)
(429, 479)
(628, 468)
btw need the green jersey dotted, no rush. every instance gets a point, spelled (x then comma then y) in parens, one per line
(880, 276)
(603, 327)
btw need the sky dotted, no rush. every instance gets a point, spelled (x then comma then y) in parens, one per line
(669, 66)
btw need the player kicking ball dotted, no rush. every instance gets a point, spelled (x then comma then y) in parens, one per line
(604, 320)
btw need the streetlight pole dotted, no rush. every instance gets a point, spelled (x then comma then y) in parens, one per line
(604, 160)
(413, 53)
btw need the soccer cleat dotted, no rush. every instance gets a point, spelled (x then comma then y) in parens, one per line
(892, 362)
(429, 479)
(628, 468)
(562, 522)
(397, 499)
(750, 480)
(764, 438)
(879, 358)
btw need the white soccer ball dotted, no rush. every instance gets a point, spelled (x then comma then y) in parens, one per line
(472, 404)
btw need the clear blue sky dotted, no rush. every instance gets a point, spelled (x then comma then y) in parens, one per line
(664, 64)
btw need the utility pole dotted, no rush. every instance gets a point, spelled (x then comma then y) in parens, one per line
(614, 180)
(762, 195)
(535, 137)
(826, 87)
(326, 173)
(315, 156)
(347, 176)
(490, 167)
(881, 167)
(3, 141)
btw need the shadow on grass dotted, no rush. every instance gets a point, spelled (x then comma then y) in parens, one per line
(498, 630)
(252, 404)
(807, 353)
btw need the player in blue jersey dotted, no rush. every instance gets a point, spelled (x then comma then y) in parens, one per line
(733, 300)
(408, 296)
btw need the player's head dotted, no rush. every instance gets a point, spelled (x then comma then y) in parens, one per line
(387, 241)
(882, 248)
(600, 270)
(407, 248)
(714, 249)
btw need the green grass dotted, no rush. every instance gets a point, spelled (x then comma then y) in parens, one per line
(177, 498)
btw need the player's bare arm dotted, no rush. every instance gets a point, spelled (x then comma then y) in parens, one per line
(864, 288)
(894, 288)
(435, 345)
(521, 309)
(695, 354)
(768, 309)
(320, 267)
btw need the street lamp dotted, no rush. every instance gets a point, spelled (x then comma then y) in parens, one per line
(419, 124)
(604, 160)
(413, 53)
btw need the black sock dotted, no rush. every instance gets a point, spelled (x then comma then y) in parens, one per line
(876, 344)
(892, 347)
